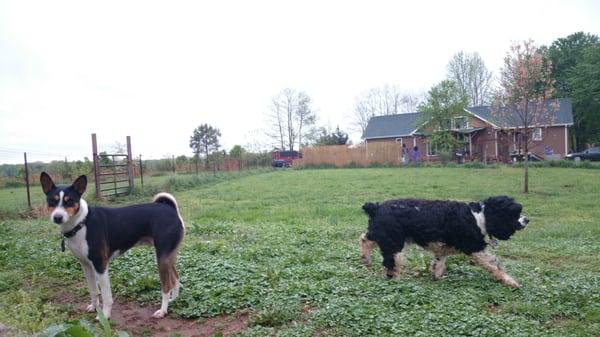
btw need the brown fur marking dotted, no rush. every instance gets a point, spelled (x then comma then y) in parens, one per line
(72, 210)
(168, 273)
(490, 263)
(441, 249)
(366, 248)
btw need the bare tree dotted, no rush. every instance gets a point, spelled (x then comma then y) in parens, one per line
(382, 101)
(472, 77)
(521, 103)
(290, 116)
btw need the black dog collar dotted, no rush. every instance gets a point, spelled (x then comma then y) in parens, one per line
(71, 233)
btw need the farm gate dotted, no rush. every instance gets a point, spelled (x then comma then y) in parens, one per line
(113, 173)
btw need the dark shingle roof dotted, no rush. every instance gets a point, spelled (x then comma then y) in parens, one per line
(404, 124)
(391, 125)
(560, 116)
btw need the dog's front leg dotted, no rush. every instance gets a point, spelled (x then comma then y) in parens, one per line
(107, 300)
(90, 277)
(438, 267)
(490, 263)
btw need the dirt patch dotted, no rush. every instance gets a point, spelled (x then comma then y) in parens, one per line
(137, 320)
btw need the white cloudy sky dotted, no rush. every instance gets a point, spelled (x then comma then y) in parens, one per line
(156, 70)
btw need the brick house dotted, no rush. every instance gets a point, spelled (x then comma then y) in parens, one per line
(484, 137)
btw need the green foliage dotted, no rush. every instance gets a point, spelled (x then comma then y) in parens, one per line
(205, 140)
(575, 71)
(445, 101)
(337, 137)
(565, 53)
(283, 246)
(584, 81)
(82, 328)
(237, 151)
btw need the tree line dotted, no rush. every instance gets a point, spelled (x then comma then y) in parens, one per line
(568, 68)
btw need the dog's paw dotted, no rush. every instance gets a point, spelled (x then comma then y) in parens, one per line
(365, 260)
(90, 308)
(511, 283)
(159, 313)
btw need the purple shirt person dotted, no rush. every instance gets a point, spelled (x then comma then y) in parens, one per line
(415, 155)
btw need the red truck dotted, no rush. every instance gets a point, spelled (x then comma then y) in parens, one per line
(285, 158)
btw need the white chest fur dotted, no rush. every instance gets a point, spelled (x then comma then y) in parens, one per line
(78, 245)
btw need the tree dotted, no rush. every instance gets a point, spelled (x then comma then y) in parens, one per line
(237, 151)
(565, 54)
(290, 117)
(382, 101)
(525, 86)
(472, 77)
(584, 84)
(204, 141)
(338, 137)
(445, 101)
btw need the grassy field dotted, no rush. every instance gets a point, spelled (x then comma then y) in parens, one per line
(283, 246)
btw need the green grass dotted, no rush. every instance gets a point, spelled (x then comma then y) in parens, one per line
(284, 245)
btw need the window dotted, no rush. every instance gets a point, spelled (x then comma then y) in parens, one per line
(460, 123)
(432, 149)
(536, 134)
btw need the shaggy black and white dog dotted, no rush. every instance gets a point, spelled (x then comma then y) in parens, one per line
(442, 227)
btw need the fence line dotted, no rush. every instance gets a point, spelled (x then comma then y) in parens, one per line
(388, 153)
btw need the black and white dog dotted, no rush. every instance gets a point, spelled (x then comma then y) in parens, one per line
(442, 227)
(95, 235)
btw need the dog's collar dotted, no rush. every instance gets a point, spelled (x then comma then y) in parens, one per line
(70, 234)
(74, 230)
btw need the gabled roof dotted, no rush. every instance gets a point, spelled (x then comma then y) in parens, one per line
(391, 125)
(563, 115)
(406, 124)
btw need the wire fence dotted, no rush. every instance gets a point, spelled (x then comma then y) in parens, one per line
(20, 188)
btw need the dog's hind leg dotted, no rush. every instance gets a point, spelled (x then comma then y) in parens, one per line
(169, 282)
(366, 248)
(438, 266)
(490, 263)
(90, 277)
(175, 291)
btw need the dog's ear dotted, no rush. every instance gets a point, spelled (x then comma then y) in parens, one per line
(47, 183)
(80, 184)
(370, 208)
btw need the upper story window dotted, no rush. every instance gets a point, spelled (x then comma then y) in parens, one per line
(460, 123)
(536, 135)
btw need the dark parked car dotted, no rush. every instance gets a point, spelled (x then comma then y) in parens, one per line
(593, 154)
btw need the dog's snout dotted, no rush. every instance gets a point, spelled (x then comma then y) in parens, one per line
(58, 219)
(523, 221)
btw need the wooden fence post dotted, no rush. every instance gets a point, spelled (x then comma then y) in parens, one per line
(27, 179)
(96, 164)
(129, 164)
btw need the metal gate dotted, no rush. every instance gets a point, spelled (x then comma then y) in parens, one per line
(113, 173)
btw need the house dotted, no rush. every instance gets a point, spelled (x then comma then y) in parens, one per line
(484, 137)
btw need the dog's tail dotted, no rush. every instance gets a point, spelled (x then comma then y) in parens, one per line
(168, 199)
(370, 208)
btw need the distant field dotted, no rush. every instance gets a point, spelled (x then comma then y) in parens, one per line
(283, 246)
(14, 199)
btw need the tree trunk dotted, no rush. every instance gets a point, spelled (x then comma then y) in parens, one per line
(526, 163)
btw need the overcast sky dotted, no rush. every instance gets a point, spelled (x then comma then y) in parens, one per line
(156, 70)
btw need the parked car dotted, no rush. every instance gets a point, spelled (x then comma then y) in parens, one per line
(285, 158)
(593, 154)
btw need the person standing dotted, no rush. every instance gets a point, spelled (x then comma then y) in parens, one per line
(404, 153)
(415, 155)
